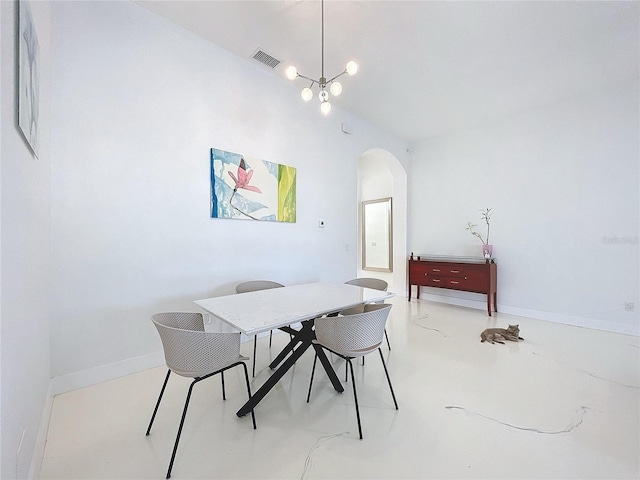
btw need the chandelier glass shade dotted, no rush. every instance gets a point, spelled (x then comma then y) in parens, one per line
(326, 87)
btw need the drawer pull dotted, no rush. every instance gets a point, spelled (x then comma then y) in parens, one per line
(435, 280)
(436, 269)
(455, 271)
(454, 283)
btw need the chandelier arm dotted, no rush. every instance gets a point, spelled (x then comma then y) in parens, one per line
(310, 79)
(337, 76)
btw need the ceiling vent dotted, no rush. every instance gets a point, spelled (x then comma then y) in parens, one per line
(264, 58)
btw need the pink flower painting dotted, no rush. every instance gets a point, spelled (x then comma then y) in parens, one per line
(251, 189)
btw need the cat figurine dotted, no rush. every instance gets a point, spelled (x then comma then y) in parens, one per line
(498, 335)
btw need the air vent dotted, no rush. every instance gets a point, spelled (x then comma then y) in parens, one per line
(265, 59)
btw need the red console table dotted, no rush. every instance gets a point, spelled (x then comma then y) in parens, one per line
(469, 274)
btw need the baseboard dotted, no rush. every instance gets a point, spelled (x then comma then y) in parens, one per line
(41, 439)
(102, 373)
(574, 320)
(111, 371)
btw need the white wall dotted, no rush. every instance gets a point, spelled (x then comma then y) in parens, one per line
(24, 253)
(563, 182)
(137, 104)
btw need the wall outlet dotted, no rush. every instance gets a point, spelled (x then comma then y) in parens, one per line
(629, 306)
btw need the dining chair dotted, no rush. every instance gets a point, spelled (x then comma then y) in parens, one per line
(351, 335)
(375, 284)
(191, 352)
(254, 286)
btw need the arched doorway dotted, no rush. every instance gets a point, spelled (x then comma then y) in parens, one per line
(381, 175)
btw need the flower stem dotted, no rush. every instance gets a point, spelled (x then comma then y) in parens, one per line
(237, 209)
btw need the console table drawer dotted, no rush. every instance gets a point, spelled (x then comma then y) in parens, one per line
(432, 280)
(456, 283)
(444, 270)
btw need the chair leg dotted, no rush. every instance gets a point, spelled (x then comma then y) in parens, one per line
(355, 396)
(255, 344)
(387, 337)
(313, 371)
(184, 415)
(246, 376)
(224, 395)
(388, 379)
(270, 337)
(155, 410)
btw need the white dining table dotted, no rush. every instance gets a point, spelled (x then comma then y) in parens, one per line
(278, 308)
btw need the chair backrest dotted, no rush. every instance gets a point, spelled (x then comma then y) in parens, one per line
(255, 285)
(189, 350)
(182, 320)
(355, 332)
(374, 283)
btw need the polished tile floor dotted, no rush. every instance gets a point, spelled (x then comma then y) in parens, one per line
(564, 403)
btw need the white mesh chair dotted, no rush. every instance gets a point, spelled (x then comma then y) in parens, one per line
(254, 286)
(375, 284)
(191, 352)
(352, 335)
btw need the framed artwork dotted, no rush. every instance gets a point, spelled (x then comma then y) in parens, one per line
(29, 77)
(251, 189)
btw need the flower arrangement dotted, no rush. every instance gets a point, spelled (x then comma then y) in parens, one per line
(486, 216)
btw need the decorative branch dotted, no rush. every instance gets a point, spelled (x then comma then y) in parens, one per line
(486, 216)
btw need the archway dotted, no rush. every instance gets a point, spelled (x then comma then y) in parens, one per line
(380, 175)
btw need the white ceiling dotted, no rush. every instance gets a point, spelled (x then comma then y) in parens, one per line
(431, 67)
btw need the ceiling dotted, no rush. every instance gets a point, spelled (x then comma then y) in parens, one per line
(431, 67)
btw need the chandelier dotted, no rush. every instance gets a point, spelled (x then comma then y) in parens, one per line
(334, 87)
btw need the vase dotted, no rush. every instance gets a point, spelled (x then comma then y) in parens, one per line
(487, 250)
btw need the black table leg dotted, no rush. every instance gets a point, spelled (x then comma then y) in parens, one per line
(273, 379)
(304, 337)
(305, 333)
(331, 373)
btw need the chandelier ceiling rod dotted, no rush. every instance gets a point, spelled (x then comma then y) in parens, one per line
(322, 57)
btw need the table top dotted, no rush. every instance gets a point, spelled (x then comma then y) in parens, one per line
(451, 258)
(264, 310)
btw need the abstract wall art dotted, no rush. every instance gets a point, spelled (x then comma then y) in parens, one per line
(251, 189)
(29, 77)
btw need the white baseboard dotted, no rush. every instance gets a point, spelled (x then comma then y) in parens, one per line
(102, 373)
(574, 320)
(41, 439)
